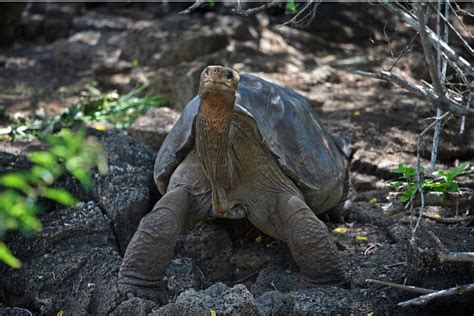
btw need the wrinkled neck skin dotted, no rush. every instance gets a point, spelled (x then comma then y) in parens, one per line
(212, 137)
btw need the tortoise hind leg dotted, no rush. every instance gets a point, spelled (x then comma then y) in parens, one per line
(152, 247)
(310, 243)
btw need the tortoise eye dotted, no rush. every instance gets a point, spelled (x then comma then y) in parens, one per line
(206, 72)
(230, 75)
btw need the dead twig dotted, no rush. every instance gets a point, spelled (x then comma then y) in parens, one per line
(396, 264)
(294, 19)
(252, 11)
(408, 288)
(447, 220)
(372, 248)
(414, 23)
(405, 50)
(448, 256)
(245, 278)
(460, 20)
(460, 37)
(441, 74)
(438, 241)
(201, 273)
(438, 294)
(465, 197)
(196, 5)
(419, 185)
(456, 257)
(23, 310)
(463, 119)
(426, 43)
(425, 93)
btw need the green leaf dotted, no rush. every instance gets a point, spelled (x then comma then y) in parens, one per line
(30, 224)
(15, 181)
(42, 174)
(291, 6)
(60, 151)
(396, 184)
(454, 172)
(59, 195)
(404, 199)
(7, 257)
(43, 158)
(452, 187)
(430, 185)
(82, 176)
(11, 223)
(400, 169)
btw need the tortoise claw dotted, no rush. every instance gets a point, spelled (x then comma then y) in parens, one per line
(156, 294)
(305, 283)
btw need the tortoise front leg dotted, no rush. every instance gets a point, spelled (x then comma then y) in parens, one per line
(152, 247)
(310, 243)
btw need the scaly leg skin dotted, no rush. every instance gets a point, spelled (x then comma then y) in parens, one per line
(310, 244)
(152, 247)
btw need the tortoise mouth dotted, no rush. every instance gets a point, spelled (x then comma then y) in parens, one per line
(217, 87)
(216, 84)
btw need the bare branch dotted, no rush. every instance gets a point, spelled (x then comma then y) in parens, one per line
(455, 199)
(427, 94)
(248, 12)
(407, 48)
(463, 119)
(196, 5)
(447, 220)
(440, 74)
(439, 294)
(461, 22)
(438, 241)
(456, 257)
(463, 63)
(294, 20)
(466, 44)
(408, 288)
(427, 49)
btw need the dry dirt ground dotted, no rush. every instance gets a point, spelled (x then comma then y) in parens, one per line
(101, 45)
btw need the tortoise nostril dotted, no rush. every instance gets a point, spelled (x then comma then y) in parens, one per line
(217, 70)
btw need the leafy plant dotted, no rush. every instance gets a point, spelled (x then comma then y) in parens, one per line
(118, 110)
(69, 152)
(443, 182)
(291, 6)
(94, 105)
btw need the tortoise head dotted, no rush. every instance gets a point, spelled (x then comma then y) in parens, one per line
(218, 81)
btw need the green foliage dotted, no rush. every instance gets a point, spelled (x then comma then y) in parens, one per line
(7, 257)
(94, 105)
(211, 3)
(68, 152)
(444, 181)
(291, 6)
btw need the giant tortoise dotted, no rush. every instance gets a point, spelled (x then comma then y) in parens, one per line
(244, 147)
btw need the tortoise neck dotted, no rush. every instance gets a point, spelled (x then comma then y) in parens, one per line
(212, 139)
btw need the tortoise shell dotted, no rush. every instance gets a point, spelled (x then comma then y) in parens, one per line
(310, 156)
